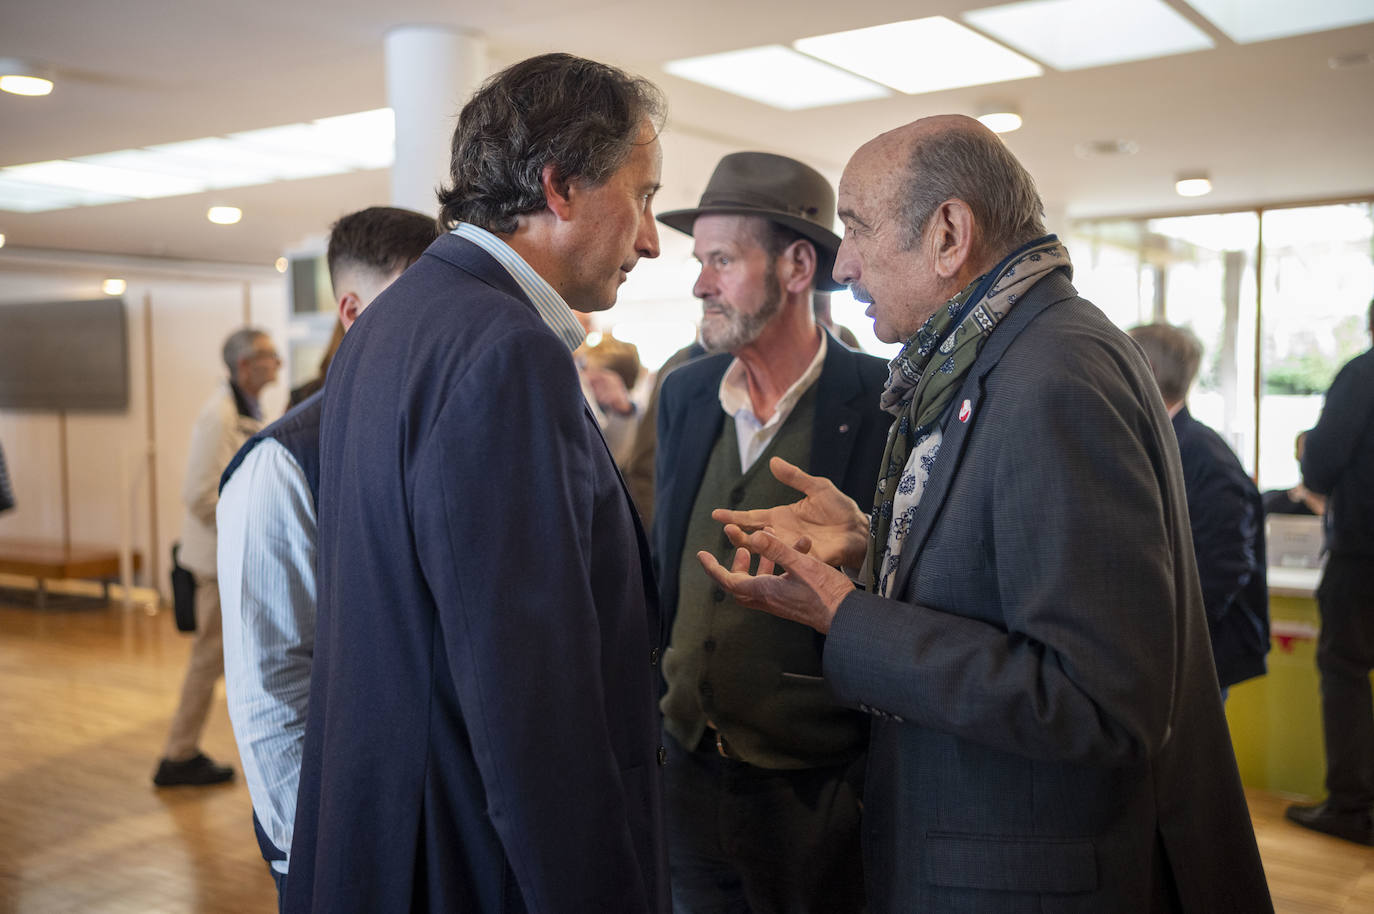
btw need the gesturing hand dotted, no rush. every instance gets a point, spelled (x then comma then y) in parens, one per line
(829, 519)
(809, 592)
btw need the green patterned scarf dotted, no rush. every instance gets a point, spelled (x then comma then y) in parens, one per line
(923, 379)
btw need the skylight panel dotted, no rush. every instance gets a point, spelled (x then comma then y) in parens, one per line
(920, 55)
(1246, 21)
(1075, 34)
(776, 76)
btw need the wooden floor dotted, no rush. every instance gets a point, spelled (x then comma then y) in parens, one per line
(86, 691)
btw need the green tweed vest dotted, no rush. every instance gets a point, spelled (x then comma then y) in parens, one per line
(755, 677)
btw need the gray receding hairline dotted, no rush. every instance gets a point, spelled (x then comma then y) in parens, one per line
(972, 164)
(1175, 355)
(238, 345)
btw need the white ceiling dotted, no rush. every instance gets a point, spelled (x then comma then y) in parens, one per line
(1271, 121)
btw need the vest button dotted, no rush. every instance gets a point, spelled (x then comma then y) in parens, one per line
(736, 496)
(706, 689)
(718, 595)
(709, 646)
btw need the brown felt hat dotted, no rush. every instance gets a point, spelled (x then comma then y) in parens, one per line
(781, 190)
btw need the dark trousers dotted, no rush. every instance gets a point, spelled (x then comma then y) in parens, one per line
(1345, 655)
(747, 840)
(270, 854)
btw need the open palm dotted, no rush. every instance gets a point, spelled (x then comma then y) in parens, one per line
(825, 517)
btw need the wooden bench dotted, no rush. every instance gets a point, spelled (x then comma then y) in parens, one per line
(45, 560)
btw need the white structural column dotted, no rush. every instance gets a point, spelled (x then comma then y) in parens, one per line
(430, 72)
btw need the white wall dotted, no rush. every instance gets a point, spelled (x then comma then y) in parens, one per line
(192, 309)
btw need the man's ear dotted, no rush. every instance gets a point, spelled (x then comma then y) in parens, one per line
(557, 192)
(799, 258)
(952, 238)
(350, 306)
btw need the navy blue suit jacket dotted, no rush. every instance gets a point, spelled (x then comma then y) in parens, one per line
(482, 733)
(847, 440)
(1226, 515)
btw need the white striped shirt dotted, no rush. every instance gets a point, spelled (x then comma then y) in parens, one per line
(267, 540)
(550, 305)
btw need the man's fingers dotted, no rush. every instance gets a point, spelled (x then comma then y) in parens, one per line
(741, 563)
(795, 477)
(763, 544)
(749, 520)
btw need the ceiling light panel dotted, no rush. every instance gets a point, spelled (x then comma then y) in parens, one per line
(1075, 34)
(328, 146)
(776, 76)
(1246, 21)
(102, 179)
(26, 197)
(920, 55)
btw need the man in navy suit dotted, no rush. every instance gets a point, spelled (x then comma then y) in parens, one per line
(1225, 514)
(482, 730)
(763, 785)
(1047, 732)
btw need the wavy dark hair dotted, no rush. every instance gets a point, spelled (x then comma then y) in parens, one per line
(582, 116)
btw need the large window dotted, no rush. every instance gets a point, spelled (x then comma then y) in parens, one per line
(1277, 297)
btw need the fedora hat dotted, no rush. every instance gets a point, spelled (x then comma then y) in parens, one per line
(777, 188)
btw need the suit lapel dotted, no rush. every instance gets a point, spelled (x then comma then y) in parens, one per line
(837, 421)
(964, 413)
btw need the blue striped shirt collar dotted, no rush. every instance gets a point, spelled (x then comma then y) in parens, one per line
(550, 305)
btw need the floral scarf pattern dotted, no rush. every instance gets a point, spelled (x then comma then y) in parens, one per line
(922, 381)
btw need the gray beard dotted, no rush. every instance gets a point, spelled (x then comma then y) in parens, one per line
(739, 330)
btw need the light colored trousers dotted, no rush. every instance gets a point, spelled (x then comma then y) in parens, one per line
(204, 670)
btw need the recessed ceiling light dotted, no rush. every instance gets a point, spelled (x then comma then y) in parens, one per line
(950, 55)
(1000, 118)
(113, 286)
(1247, 22)
(20, 78)
(1073, 34)
(224, 215)
(1193, 185)
(281, 264)
(776, 76)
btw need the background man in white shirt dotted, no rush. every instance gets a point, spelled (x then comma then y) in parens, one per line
(267, 523)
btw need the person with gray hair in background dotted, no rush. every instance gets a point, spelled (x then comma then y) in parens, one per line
(1225, 514)
(1047, 732)
(229, 418)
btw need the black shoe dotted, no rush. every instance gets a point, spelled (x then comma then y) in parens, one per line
(1352, 826)
(198, 770)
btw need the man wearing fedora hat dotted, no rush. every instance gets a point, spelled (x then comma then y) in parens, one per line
(763, 783)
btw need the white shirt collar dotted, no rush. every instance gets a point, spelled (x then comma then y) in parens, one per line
(550, 305)
(734, 389)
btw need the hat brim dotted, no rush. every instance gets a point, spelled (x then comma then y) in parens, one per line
(827, 242)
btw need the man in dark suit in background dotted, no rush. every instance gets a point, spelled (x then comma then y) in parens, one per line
(482, 731)
(1225, 514)
(1047, 731)
(1338, 462)
(763, 786)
